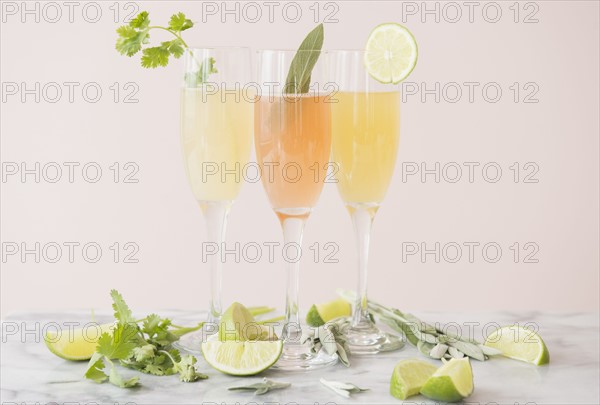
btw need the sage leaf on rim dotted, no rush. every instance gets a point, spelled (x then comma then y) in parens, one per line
(298, 78)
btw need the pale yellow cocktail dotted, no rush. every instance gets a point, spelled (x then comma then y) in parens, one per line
(216, 134)
(365, 136)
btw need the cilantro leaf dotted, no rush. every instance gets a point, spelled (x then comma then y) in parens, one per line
(165, 338)
(175, 47)
(185, 366)
(133, 37)
(178, 22)
(120, 345)
(150, 324)
(154, 369)
(161, 365)
(175, 355)
(159, 55)
(141, 21)
(95, 372)
(116, 379)
(143, 353)
(146, 348)
(155, 57)
(187, 369)
(122, 311)
(95, 366)
(130, 41)
(158, 331)
(206, 68)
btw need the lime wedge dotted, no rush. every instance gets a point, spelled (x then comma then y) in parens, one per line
(233, 322)
(519, 343)
(241, 358)
(391, 53)
(77, 344)
(320, 314)
(409, 376)
(238, 324)
(450, 383)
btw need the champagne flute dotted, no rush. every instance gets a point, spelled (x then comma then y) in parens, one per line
(292, 137)
(216, 138)
(365, 135)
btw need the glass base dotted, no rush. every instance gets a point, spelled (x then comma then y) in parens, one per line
(298, 357)
(371, 340)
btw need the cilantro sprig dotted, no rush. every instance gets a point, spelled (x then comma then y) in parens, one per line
(146, 348)
(136, 34)
(133, 38)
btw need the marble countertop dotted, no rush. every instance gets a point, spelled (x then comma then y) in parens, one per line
(29, 373)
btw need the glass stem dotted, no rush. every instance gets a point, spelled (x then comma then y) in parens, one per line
(293, 229)
(215, 213)
(362, 219)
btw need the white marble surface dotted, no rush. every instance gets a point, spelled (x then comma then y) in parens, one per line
(31, 374)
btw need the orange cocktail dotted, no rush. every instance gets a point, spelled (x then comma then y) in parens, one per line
(293, 141)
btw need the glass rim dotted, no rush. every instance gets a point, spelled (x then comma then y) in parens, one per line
(349, 51)
(288, 50)
(324, 51)
(218, 48)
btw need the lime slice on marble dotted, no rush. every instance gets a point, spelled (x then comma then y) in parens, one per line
(409, 376)
(76, 344)
(451, 382)
(519, 343)
(241, 358)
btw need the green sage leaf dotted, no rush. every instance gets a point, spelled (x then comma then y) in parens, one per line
(454, 352)
(341, 388)
(298, 78)
(468, 349)
(438, 351)
(424, 347)
(262, 387)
